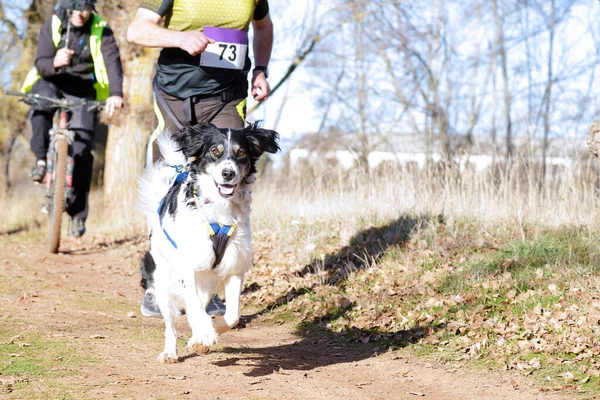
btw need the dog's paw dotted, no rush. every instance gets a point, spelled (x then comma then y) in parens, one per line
(167, 358)
(199, 348)
(205, 340)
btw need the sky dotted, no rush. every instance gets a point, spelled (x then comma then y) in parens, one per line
(299, 114)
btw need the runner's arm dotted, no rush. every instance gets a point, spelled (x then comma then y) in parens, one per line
(146, 30)
(262, 43)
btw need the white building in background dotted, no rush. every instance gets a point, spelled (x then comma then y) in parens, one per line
(345, 151)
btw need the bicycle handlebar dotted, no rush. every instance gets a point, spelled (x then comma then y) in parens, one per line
(34, 98)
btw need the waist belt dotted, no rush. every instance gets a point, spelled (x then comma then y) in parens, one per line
(231, 93)
(226, 96)
(189, 112)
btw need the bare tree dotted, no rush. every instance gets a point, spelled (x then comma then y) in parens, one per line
(504, 67)
(548, 90)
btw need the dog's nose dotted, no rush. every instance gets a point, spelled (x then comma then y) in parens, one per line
(228, 174)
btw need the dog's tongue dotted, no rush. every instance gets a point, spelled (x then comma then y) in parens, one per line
(226, 190)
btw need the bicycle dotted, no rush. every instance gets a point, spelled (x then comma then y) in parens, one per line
(59, 163)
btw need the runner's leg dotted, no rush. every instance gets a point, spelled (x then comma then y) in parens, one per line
(232, 115)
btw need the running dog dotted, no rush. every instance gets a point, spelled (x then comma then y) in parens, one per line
(197, 200)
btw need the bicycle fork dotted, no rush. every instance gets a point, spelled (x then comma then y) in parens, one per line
(50, 158)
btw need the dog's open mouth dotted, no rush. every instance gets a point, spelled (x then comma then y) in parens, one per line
(226, 190)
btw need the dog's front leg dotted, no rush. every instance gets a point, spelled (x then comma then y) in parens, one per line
(169, 355)
(196, 298)
(233, 289)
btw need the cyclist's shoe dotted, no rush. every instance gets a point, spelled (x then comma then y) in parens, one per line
(38, 171)
(149, 307)
(215, 307)
(78, 227)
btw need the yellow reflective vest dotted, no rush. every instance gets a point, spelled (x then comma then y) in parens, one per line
(102, 85)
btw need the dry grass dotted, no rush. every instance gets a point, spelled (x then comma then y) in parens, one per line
(20, 210)
(358, 200)
(21, 213)
(355, 201)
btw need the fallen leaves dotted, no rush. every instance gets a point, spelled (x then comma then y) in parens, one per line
(177, 377)
(97, 336)
(9, 381)
(467, 295)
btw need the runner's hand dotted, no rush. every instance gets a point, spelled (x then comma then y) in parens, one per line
(260, 87)
(193, 42)
(111, 103)
(62, 57)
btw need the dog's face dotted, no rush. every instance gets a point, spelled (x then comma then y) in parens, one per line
(228, 156)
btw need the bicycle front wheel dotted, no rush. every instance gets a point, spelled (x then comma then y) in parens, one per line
(57, 192)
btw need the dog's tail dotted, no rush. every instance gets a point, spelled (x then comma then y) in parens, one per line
(158, 178)
(169, 150)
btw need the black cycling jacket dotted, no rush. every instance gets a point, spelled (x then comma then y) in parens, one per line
(76, 79)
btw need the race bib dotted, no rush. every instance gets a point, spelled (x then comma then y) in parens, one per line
(228, 51)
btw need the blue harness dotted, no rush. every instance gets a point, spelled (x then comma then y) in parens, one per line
(219, 233)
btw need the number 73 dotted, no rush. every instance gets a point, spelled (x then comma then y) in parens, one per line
(232, 48)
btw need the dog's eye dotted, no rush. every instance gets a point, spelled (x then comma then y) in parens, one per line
(215, 152)
(240, 153)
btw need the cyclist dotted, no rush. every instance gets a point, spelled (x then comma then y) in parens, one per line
(77, 57)
(202, 71)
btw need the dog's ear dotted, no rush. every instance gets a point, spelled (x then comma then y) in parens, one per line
(261, 140)
(192, 140)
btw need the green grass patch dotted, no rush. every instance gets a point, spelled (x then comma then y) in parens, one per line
(552, 251)
(32, 355)
(519, 309)
(286, 316)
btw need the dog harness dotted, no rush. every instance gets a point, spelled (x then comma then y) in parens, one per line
(219, 233)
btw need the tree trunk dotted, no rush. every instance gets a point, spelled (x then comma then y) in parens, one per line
(129, 131)
(548, 93)
(6, 153)
(361, 87)
(503, 64)
(126, 145)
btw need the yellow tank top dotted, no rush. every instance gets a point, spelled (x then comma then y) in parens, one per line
(194, 15)
(180, 74)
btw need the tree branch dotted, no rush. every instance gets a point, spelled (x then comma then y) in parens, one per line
(312, 42)
(10, 25)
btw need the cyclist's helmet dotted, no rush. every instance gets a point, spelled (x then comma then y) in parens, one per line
(78, 5)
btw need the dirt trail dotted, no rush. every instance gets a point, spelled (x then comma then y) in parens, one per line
(88, 298)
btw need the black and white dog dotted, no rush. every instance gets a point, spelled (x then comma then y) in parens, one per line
(197, 201)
